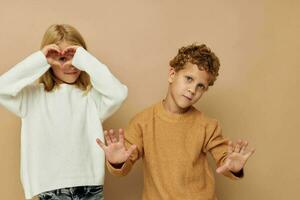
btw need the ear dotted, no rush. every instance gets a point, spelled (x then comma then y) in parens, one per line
(172, 74)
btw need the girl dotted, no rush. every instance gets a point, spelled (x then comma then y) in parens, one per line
(60, 116)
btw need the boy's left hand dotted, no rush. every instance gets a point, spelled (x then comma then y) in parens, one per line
(238, 154)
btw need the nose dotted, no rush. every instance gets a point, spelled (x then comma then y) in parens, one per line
(192, 90)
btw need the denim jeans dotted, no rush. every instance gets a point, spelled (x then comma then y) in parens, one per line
(74, 193)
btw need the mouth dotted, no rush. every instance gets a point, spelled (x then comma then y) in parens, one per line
(71, 73)
(188, 98)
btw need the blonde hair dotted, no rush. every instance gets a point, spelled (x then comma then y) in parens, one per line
(55, 34)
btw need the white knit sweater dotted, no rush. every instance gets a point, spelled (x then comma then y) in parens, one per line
(59, 128)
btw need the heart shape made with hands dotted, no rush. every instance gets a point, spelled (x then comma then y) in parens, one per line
(60, 57)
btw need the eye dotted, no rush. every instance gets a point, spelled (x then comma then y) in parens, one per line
(188, 78)
(62, 59)
(201, 86)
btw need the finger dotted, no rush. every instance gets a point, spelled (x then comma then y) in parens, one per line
(222, 169)
(69, 54)
(69, 50)
(74, 68)
(131, 149)
(67, 63)
(101, 144)
(112, 136)
(237, 147)
(121, 136)
(249, 153)
(107, 138)
(230, 147)
(55, 63)
(51, 52)
(244, 147)
(54, 53)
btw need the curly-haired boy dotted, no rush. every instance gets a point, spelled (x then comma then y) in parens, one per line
(173, 137)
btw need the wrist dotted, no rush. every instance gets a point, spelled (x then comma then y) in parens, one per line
(117, 165)
(239, 173)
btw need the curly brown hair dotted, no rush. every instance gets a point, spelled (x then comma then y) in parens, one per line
(199, 55)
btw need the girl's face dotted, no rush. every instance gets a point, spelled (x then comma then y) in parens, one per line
(65, 71)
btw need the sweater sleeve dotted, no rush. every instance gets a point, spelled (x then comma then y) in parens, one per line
(217, 145)
(12, 83)
(133, 135)
(107, 92)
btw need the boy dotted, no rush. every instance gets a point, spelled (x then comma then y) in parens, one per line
(173, 138)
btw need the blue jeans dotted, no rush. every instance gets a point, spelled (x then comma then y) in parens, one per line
(74, 193)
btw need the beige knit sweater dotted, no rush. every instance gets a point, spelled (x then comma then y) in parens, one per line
(174, 150)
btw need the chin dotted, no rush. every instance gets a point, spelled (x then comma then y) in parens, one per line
(70, 81)
(183, 106)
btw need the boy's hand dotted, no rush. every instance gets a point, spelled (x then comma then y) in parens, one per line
(238, 154)
(115, 150)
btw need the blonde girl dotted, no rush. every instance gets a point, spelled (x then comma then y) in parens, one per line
(60, 116)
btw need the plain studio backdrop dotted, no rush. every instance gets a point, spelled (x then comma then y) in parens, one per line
(256, 97)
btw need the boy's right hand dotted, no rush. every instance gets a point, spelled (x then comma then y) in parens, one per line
(52, 53)
(115, 150)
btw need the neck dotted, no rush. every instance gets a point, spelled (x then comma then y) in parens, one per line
(59, 81)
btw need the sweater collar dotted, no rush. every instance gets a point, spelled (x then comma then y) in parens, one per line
(173, 117)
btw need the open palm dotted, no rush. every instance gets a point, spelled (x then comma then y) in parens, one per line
(238, 154)
(115, 150)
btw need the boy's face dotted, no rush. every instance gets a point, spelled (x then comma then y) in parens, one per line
(186, 86)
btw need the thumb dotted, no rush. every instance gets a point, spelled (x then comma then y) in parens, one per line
(222, 169)
(101, 144)
(131, 149)
(250, 153)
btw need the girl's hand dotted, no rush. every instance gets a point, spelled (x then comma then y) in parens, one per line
(68, 53)
(115, 150)
(52, 53)
(238, 154)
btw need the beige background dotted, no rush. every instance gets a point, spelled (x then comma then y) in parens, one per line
(256, 96)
